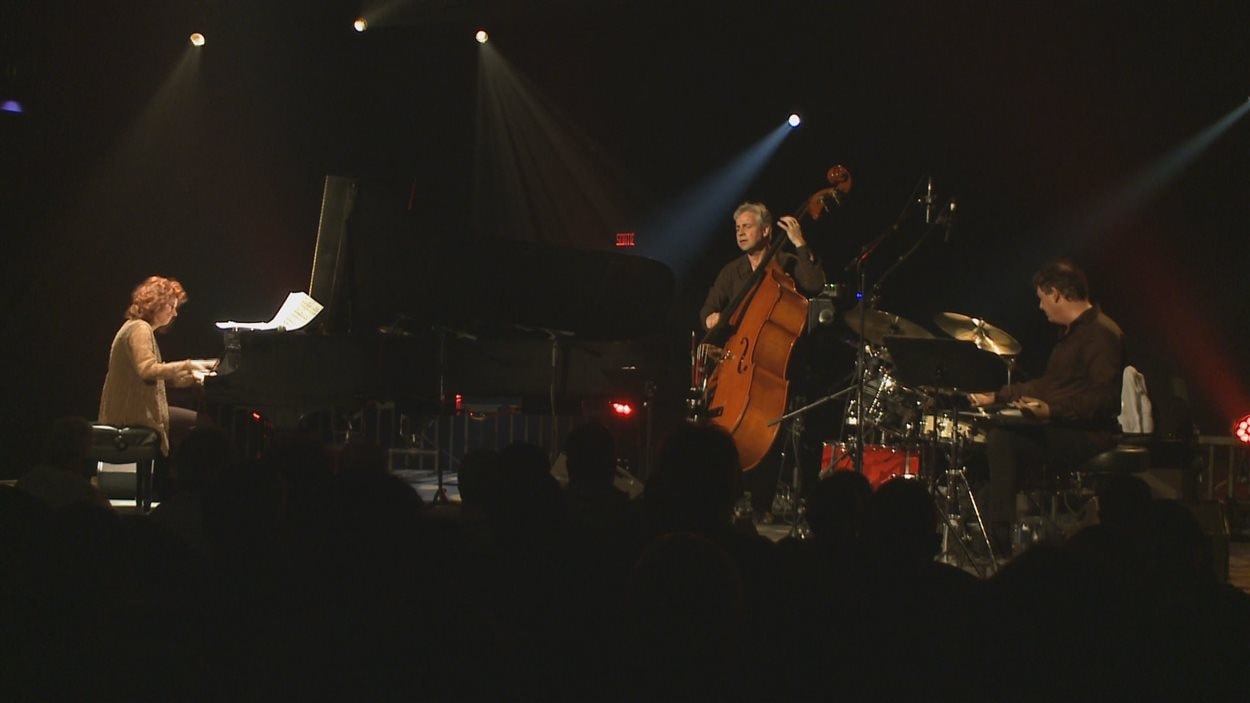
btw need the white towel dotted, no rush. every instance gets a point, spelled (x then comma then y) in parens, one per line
(1136, 413)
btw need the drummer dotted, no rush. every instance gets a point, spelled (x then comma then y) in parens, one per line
(1075, 401)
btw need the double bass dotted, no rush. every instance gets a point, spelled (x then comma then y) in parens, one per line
(749, 350)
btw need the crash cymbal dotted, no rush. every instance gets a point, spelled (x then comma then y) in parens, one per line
(878, 324)
(979, 332)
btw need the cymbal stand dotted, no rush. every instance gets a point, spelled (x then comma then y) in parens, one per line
(792, 501)
(793, 444)
(954, 532)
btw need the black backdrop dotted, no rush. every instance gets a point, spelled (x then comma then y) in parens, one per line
(135, 156)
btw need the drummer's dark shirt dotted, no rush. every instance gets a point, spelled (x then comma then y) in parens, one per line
(1082, 380)
(803, 266)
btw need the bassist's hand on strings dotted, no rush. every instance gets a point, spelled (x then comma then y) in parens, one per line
(793, 230)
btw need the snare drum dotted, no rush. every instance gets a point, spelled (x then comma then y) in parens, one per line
(942, 428)
(881, 463)
(889, 408)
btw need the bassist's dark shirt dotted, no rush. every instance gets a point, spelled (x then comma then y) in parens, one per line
(803, 266)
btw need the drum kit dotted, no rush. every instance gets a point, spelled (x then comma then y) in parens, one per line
(906, 414)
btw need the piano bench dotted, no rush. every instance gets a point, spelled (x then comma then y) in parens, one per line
(136, 445)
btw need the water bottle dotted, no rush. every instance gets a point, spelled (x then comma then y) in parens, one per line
(743, 511)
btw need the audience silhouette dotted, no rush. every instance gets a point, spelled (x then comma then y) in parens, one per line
(307, 576)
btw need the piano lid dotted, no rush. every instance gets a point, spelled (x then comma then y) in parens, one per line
(464, 283)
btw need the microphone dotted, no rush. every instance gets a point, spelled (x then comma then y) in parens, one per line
(950, 221)
(928, 202)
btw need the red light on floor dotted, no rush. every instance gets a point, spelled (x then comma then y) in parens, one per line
(256, 416)
(1241, 430)
(623, 409)
(459, 402)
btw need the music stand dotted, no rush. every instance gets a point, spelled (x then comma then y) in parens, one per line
(952, 366)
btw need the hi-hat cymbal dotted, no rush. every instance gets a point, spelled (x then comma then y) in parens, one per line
(878, 324)
(979, 332)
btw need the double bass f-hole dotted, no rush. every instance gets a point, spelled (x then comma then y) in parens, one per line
(742, 358)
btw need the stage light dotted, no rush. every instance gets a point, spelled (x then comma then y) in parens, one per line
(794, 120)
(361, 24)
(481, 36)
(197, 39)
(11, 106)
(622, 409)
(1241, 430)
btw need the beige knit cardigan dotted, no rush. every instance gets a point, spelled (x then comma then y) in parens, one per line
(134, 388)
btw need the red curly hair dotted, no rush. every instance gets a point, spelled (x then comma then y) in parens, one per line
(150, 295)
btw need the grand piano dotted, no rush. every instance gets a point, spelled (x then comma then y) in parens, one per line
(415, 319)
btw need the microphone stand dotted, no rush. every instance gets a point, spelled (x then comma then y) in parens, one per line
(440, 492)
(939, 223)
(554, 336)
(859, 264)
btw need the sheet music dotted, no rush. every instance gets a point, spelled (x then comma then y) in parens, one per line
(297, 311)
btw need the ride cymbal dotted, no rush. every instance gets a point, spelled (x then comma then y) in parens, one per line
(876, 325)
(981, 333)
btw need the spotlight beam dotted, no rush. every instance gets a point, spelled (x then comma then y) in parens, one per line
(680, 233)
(537, 173)
(1154, 177)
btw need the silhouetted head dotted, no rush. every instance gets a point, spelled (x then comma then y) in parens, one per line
(67, 445)
(591, 453)
(902, 522)
(479, 472)
(525, 501)
(201, 456)
(301, 460)
(1123, 500)
(1174, 544)
(362, 457)
(837, 505)
(526, 458)
(696, 482)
